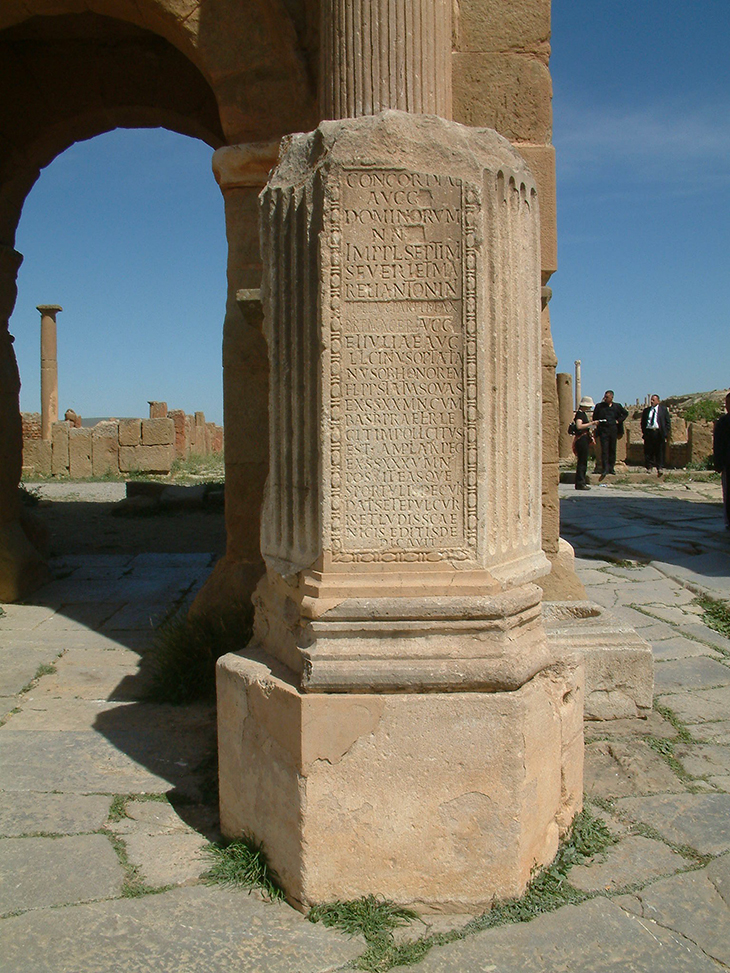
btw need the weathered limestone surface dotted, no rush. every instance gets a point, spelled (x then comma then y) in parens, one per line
(152, 459)
(130, 432)
(565, 413)
(402, 528)
(158, 431)
(104, 448)
(49, 368)
(59, 442)
(79, 452)
(350, 789)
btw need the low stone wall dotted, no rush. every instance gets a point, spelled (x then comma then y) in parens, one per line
(691, 443)
(119, 446)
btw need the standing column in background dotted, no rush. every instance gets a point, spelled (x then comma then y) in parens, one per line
(577, 384)
(565, 413)
(49, 368)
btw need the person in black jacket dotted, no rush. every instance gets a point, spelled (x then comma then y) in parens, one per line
(721, 450)
(610, 417)
(656, 426)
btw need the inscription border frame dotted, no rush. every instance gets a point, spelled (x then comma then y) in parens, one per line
(470, 205)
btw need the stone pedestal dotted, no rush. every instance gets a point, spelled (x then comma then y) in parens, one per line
(439, 801)
(398, 627)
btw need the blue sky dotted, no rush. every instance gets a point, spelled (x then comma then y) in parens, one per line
(126, 231)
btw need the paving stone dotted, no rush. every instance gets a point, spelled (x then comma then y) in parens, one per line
(681, 648)
(669, 613)
(18, 668)
(642, 572)
(718, 872)
(708, 636)
(187, 930)
(634, 860)
(40, 872)
(699, 705)
(655, 593)
(31, 813)
(693, 673)
(112, 716)
(98, 674)
(721, 783)
(88, 763)
(151, 818)
(623, 768)
(703, 760)
(78, 616)
(594, 937)
(21, 618)
(691, 905)
(701, 821)
(168, 859)
(605, 596)
(654, 725)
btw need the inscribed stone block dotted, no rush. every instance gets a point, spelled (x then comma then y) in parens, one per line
(158, 432)
(59, 447)
(79, 452)
(105, 448)
(130, 432)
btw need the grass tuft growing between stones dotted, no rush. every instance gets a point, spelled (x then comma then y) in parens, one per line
(716, 614)
(376, 919)
(242, 863)
(185, 651)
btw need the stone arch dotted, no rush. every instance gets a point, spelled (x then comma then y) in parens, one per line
(73, 69)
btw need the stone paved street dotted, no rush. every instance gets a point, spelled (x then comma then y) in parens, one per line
(79, 742)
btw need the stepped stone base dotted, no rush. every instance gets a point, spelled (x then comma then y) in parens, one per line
(440, 801)
(619, 666)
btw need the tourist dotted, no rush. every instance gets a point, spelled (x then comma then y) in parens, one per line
(656, 427)
(721, 450)
(582, 439)
(610, 417)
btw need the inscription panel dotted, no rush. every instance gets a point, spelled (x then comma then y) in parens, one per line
(403, 350)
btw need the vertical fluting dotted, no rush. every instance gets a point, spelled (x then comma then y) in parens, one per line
(380, 54)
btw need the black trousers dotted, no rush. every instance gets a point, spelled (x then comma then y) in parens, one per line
(653, 449)
(608, 439)
(581, 454)
(726, 494)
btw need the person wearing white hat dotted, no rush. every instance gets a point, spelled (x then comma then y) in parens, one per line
(582, 440)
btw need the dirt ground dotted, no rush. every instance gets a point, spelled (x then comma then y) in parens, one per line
(81, 518)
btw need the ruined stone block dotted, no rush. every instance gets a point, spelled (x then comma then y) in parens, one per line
(146, 459)
(79, 452)
(105, 448)
(541, 160)
(158, 410)
(59, 448)
(37, 457)
(699, 438)
(130, 432)
(158, 432)
(503, 25)
(507, 92)
(199, 418)
(177, 416)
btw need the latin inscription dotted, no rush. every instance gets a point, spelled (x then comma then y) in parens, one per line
(398, 354)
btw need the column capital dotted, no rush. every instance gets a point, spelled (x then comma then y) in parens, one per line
(244, 166)
(49, 308)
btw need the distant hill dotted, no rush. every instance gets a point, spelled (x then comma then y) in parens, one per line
(680, 402)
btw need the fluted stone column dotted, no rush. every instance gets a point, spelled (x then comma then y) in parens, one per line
(399, 692)
(380, 54)
(49, 368)
(578, 393)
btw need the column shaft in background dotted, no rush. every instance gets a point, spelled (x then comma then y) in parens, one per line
(49, 368)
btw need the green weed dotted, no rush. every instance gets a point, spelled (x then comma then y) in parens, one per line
(242, 863)
(185, 652)
(716, 614)
(375, 919)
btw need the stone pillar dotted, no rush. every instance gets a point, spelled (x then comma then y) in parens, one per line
(49, 368)
(578, 394)
(398, 632)
(566, 412)
(380, 54)
(22, 567)
(241, 172)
